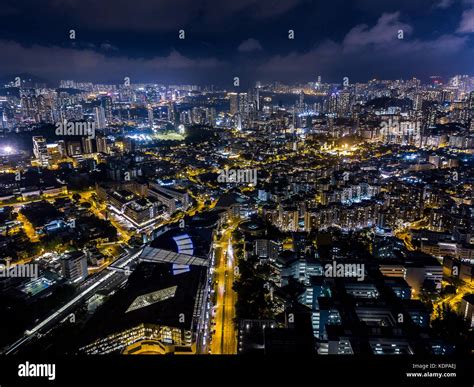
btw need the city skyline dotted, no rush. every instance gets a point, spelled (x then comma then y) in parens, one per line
(35, 82)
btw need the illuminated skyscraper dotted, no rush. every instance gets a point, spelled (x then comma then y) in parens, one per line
(239, 121)
(102, 146)
(40, 150)
(257, 99)
(234, 103)
(332, 103)
(74, 266)
(107, 105)
(344, 103)
(150, 116)
(171, 112)
(244, 107)
(99, 117)
(87, 145)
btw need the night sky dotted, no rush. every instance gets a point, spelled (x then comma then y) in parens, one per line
(228, 38)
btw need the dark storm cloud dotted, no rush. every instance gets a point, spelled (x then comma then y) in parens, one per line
(147, 15)
(59, 63)
(250, 45)
(467, 22)
(245, 38)
(407, 6)
(444, 4)
(375, 51)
